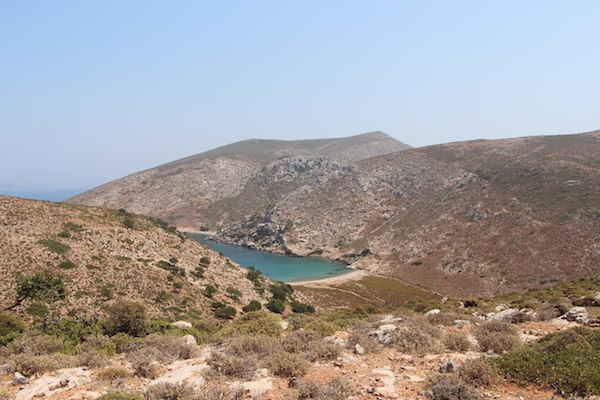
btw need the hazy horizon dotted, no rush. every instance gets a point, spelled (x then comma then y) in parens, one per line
(95, 91)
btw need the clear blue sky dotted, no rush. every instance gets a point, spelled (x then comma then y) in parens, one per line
(91, 91)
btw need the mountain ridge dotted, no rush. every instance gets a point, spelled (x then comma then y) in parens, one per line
(209, 188)
(476, 218)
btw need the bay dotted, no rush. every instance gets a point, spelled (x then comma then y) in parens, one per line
(278, 267)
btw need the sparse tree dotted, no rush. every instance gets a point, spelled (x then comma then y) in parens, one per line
(43, 285)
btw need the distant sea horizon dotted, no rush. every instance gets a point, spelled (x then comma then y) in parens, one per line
(48, 194)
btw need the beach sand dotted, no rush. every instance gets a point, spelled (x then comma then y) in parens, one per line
(351, 276)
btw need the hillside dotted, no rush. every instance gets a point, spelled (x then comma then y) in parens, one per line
(468, 218)
(224, 185)
(106, 255)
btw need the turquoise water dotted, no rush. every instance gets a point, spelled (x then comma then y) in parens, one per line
(277, 266)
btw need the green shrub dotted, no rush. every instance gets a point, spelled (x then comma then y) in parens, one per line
(170, 347)
(301, 308)
(255, 322)
(566, 361)
(225, 312)
(300, 321)
(67, 265)
(368, 343)
(288, 365)
(414, 339)
(276, 306)
(497, 336)
(233, 293)
(232, 365)
(123, 343)
(120, 396)
(252, 306)
(11, 327)
(310, 345)
(335, 389)
(323, 327)
(455, 341)
(450, 391)
(29, 364)
(127, 316)
(480, 372)
(54, 246)
(144, 362)
(171, 391)
(259, 346)
(43, 285)
(35, 343)
(112, 374)
(209, 291)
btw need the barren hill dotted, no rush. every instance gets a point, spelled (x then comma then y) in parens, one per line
(468, 218)
(226, 184)
(108, 254)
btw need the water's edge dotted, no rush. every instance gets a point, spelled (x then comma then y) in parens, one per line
(278, 267)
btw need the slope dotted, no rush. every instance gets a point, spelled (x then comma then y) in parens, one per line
(223, 185)
(108, 254)
(469, 218)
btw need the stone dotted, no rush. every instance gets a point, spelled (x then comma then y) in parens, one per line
(576, 314)
(431, 313)
(382, 334)
(182, 324)
(447, 366)
(358, 349)
(19, 379)
(507, 315)
(189, 340)
(386, 391)
(284, 325)
(259, 387)
(460, 323)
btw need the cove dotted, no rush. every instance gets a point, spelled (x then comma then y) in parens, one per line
(278, 267)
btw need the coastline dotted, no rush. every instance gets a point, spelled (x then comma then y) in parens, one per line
(350, 276)
(354, 275)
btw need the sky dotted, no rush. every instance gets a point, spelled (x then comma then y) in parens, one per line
(92, 91)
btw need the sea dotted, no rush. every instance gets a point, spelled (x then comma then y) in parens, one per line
(278, 267)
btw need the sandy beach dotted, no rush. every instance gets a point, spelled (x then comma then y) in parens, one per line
(351, 276)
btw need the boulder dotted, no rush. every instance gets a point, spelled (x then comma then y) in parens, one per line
(576, 314)
(19, 379)
(460, 323)
(189, 340)
(182, 324)
(358, 349)
(382, 334)
(431, 313)
(447, 366)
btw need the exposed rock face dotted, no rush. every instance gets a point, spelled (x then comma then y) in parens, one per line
(226, 184)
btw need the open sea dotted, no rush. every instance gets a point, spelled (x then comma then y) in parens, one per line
(277, 266)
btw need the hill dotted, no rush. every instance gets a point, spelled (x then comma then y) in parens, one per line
(221, 186)
(106, 255)
(467, 218)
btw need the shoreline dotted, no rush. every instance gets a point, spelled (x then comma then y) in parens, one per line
(354, 275)
(350, 276)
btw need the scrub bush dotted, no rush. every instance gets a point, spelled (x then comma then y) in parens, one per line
(497, 336)
(566, 361)
(171, 391)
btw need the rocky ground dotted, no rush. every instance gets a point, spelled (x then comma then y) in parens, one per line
(374, 375)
